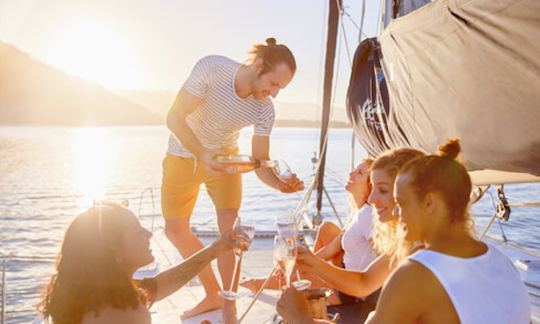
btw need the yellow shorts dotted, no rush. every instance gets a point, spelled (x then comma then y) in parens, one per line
(180, 187)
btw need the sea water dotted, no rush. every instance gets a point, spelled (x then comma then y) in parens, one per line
(49, 174)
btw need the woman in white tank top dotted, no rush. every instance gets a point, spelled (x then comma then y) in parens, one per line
(349, 247)
(386, 238)
(456, 278)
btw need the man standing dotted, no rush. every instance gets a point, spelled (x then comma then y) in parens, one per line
(220, 97)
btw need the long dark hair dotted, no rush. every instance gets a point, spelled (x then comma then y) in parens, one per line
(90, 274)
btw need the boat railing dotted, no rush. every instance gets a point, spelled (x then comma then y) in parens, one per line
(501, 206)
(3, 311)
(150, 191)
(6, 259)
(502, 212)
(299, 212)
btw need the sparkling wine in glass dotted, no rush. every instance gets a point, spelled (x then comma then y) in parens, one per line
(285, 257)
(287, 228)
(282, 170)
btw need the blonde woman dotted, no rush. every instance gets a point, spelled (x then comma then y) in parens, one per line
(386, 239)
(452, 278)
(386, 236)
(351, 247)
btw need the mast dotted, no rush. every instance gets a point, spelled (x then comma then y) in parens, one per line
(331, 40)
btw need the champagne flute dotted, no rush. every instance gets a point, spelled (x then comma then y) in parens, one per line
(285, 255)
(242, 229)
(275, 259)
(288, 230)
(282, 170)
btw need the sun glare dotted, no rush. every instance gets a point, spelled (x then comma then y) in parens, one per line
(94, 52)
(90, 170)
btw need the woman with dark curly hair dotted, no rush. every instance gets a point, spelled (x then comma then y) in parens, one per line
(102, 249)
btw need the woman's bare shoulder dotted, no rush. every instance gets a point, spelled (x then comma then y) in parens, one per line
(120, 316)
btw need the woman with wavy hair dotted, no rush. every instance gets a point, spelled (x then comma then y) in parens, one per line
(102, 249)
(386, 240)
(386, 236)
(350, 248)
(452, 277)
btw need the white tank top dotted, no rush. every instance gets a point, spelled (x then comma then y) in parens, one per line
(356, 243)
(483, 289)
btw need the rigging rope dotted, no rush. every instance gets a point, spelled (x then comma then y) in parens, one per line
(362, 16)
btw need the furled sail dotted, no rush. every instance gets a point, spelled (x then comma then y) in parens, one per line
(456, 68)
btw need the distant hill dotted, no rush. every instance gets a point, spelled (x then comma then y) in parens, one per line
(308, 123)
(288, 114)
(157, 101)
(34, 93)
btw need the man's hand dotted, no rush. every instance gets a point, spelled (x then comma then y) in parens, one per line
(293, 307)
(209, 164)
(291, 184)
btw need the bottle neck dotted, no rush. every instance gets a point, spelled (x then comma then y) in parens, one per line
(266, 163)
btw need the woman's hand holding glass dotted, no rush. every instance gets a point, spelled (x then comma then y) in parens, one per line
(305, 259)
(287, 228)
(242, 235)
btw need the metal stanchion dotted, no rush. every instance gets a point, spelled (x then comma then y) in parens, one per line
(3, 314)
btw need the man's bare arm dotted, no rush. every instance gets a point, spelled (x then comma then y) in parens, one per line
(184, 104)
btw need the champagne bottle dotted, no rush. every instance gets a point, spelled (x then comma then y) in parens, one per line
(242, 163)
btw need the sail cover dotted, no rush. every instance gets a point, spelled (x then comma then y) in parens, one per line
(462, 68)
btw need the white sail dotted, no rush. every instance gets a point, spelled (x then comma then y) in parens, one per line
(468, 69)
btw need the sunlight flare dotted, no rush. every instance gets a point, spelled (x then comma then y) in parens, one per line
(90, 171)
(94, 52)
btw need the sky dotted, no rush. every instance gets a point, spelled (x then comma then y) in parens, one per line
(152, 45)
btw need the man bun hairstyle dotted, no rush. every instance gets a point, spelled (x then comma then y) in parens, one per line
(272, 54)
(450, 150)
(270, 41)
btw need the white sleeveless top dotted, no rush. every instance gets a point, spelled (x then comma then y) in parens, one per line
(483, 289)
(356, 243)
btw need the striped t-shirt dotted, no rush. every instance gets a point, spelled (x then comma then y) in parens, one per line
(217, 122)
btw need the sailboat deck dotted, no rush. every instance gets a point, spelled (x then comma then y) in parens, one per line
(257, 262)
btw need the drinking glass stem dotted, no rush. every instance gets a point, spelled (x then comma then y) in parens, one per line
(236, 262)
